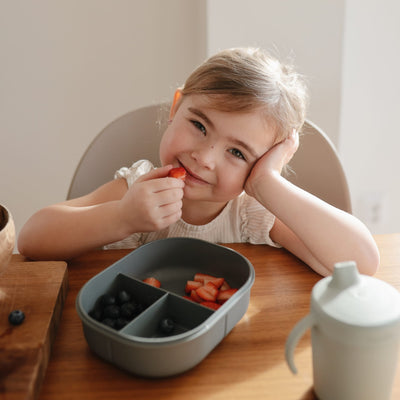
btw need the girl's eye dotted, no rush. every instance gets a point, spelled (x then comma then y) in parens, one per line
(200, 127)
(237, 153)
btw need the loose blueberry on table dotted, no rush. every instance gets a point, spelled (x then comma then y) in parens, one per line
(16, 317)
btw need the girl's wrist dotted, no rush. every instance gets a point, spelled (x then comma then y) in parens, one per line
(122, 227)
(259, 187)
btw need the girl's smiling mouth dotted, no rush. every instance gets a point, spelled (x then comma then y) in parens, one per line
(192, 177)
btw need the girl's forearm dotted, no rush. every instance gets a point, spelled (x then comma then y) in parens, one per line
(63, 231)
(330, 234)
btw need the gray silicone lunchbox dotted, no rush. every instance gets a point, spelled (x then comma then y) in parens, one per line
(139, 347)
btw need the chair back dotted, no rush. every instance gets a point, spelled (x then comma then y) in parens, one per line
(137, 134)
(317, 168)
(131, 137)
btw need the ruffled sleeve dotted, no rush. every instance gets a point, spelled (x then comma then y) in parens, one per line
(132, 173)
(256, 222)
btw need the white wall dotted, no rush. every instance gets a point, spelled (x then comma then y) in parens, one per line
(349, 51)
(70, 67)
(308, 31)
(370, 129)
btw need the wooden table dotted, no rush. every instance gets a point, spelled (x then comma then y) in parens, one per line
(248, 364)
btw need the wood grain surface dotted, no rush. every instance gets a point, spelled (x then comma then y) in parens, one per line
(248, 364)
(38, 289)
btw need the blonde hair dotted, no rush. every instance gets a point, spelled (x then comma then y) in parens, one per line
(248, 79)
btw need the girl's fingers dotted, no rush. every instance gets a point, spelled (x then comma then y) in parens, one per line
(155, 173)
(292, 143)
(159, 183)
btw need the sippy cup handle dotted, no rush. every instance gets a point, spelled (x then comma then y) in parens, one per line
(294, 337)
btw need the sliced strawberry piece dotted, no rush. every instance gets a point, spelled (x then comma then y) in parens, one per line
(179, 173)
(192, 285)
(205, 294)
(195, 297)
(218, 282)
(225, 295)
(208, 292)
(152, 281)
(199, 277)
(225, 286)
(211, 304)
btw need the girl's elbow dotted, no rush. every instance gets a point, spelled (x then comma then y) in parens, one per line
(25, 248)
(375, 263)
(27, 245)
(22, 244)
(370, 261)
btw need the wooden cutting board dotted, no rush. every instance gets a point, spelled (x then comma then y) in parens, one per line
(38, 289)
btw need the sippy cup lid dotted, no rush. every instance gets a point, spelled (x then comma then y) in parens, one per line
(355, 299)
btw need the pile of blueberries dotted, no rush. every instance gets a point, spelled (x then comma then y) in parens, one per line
(116, 311)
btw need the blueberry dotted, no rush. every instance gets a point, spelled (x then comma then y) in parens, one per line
(107, 300)
(109, 322)
(16, 317)
(167, 325)
(97, 313)
(131, 310)
(139, 308)
(120, 323)
(112, 311)
(123, 297)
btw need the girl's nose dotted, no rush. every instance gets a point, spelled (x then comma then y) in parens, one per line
(205, 156)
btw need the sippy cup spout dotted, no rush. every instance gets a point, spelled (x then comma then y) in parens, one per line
(345, 274)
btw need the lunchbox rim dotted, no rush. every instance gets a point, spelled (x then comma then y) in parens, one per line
(214, 317)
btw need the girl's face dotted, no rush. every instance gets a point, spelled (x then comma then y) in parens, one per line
(217, 149)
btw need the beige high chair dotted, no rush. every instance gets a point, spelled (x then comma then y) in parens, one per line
(136, 135)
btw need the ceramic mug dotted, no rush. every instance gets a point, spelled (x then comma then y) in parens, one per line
(355, 335)
(7, 236)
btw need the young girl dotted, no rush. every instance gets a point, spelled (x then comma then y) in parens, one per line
(233, 127)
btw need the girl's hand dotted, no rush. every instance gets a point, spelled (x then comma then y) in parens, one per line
(153, 202)
(272, 163)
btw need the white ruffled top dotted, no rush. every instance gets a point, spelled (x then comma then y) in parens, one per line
(243, 220)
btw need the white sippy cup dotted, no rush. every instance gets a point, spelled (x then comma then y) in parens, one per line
(355, 335)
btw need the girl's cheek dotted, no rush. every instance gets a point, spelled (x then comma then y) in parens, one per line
(233, 183)
(166, 148)
(163, 153)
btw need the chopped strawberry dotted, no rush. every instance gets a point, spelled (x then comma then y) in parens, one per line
(211, 304)
(202, 277)
(224, 295)
(225, 286)
(179, 173)
(218, 282)
(152, 281)
(208, 292)
(192, 285)
(195, 297)
(205, 288)
(188, 298)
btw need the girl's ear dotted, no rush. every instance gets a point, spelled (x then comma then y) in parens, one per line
(178, 96)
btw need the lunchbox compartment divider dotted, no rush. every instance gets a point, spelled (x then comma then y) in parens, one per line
(186, 316)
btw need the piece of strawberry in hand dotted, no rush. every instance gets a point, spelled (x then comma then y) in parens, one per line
(179, 173)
